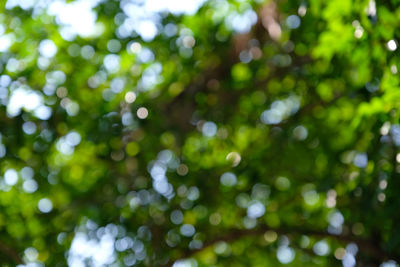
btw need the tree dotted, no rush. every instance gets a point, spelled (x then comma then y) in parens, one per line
(199, 133)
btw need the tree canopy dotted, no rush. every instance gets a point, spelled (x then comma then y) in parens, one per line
(199, 133)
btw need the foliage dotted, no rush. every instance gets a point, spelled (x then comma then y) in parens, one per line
(235, 133)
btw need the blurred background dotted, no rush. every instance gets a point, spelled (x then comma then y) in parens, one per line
(199, 133)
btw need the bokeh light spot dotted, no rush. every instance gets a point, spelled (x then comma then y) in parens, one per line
(45, 205)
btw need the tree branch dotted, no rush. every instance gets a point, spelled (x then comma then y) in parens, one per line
(366, 246)
(11, 253)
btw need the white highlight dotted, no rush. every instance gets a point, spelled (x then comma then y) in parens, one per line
(76, 17)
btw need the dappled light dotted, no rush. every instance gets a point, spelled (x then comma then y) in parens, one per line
(199, 133)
